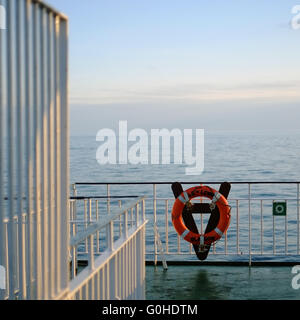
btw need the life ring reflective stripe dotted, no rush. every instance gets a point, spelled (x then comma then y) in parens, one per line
(217, 199)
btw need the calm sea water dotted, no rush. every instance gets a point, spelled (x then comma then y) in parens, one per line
(229, 156)
(233, 156)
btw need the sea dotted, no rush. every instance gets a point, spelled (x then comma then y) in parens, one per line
(232, 156)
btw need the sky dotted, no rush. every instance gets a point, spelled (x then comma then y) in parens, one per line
(209, 64)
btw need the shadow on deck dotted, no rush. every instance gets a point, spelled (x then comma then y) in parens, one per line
(225, 282)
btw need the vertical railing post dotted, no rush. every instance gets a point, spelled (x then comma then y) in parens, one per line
(74, 211)
(74, 192)
(274, 245)
(108, 212)
(137, 216)
(2, 151)
(108, 197)
(29, 146)
(131, 217)
(91, 251)
(110, 233)
(74, 248)
(90, 211)
(20, 149)
(237, 228)
(286, 233)
(249, 222)
(85, 222)
(51, 155)
(225, 243)
(120, 219)
(10, 78)
(144, 210)
(167, 224)
(154, 221)
(44, 155)
(97, 233)
(125, 224)
(261, 228)
(298, 219)
(178, 244)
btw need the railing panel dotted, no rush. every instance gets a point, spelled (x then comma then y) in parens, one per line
(254, 232)
(117, 270)
(34, 188)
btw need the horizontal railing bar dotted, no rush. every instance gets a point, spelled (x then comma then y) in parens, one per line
(84, 197)
(103, 223)
(256, 253)
(224, 263)
(186, 182)
(101, 197)
(94, 221)
(134, 197)
(235, 199)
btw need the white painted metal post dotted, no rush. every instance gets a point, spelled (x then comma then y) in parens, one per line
(167, 225)
(237, 228)
(97, 233)
(91, 252)
(85, 222)
(74, 248)
(33, 78)
(298, 219)
(261, 228)
(274, 244)
(108, 198)
(144, 210)
(110, 232)
(20, 151)
(90, 212)
(125, 224)
(249, 217)
(64, 152)
(120, 220)
(51, 156)
(29, 146)
(286, 233)
(137, 215)
(44, 154)
(154, 221)
(11, 94)
(2, 164)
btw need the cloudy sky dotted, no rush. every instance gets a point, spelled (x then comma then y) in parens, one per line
(210, 64)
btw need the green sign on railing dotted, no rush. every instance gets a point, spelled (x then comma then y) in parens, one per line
(279, 208)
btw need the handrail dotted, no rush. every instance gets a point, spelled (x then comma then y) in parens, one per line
(185, 182)
(244, 206)
(117, 271)
(75, 240)
(101, 197)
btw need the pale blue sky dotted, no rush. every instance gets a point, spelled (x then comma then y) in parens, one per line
(138, 54)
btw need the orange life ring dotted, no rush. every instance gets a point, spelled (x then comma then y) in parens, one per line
(217, 199)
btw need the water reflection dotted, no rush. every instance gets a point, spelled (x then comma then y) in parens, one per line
(188, 283)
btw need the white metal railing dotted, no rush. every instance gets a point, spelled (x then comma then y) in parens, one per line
(253, 231)
(33, 150)
(114, 247)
